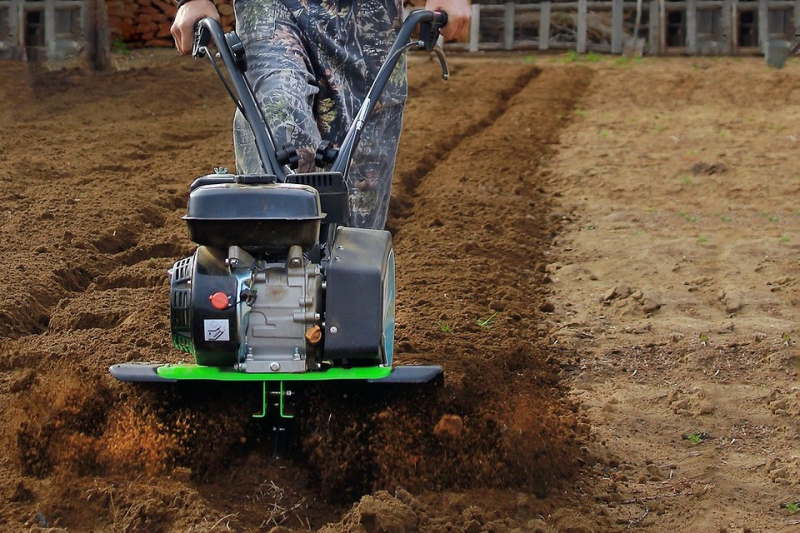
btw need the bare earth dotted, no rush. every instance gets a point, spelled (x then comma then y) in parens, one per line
(604, 256)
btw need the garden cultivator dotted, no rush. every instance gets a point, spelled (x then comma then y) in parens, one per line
(280, 290)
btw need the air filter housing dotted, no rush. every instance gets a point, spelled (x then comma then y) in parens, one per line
(265, 218)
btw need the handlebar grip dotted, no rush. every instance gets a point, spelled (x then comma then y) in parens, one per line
(202, 38)
(430, 22)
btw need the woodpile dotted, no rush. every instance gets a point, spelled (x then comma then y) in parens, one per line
(141, 23)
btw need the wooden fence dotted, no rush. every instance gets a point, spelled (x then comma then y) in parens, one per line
(57, 28)
(709, 27)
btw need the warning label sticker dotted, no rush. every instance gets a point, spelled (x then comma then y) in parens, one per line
(217, 330)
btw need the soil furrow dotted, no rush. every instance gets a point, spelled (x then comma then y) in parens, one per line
(453, 119)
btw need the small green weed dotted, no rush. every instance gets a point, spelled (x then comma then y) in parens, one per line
(702, 238)
(622, 61)
(591, 57)
(445, 327)
(793, 507)
(688, 217)
(686, 179)
(571, 57)
(119, 46)
(488, 321)
(726, 218)
(785, 239)
(694, 437)
(574, 57)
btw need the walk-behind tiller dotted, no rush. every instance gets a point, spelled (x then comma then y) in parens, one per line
(280, 290)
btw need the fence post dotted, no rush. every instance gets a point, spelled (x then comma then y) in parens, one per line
(544, 26)
(763, 25)
(50, 28)
(99, 55)
(691, 27)
(797, 17)
(475, 28)
(508, 27)
(581, 40)
(725, 24)
(14, 18)
(616, 26)
(654, 33)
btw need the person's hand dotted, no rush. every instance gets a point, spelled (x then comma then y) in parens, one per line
(458, 15)
(183, 27)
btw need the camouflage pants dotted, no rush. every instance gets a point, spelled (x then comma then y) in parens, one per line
(311, 63)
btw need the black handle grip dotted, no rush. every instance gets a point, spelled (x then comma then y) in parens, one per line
(429, 30)
(202, 38)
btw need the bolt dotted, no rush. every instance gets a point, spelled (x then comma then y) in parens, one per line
(274, 366)
(334, 330)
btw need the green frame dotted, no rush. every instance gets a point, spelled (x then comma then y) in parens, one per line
(184, 371)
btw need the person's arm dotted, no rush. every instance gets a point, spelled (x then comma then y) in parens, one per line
(459, 14)
(182, 29)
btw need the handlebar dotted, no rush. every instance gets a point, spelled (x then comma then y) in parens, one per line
(231, 51)
(430, 23)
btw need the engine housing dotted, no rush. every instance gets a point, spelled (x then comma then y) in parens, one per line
(231, 309)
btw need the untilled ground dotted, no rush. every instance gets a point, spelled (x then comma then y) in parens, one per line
(603, 256)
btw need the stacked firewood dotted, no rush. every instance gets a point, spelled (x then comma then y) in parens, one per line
(139, 23)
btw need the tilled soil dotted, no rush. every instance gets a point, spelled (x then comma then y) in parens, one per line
(501, 217)
(96, 173)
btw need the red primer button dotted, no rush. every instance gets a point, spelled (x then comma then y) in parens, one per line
(219, 300)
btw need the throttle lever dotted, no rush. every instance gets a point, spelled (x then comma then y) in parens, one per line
(442, 61)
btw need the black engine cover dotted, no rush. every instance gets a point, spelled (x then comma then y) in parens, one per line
(355, 304)
(210, 334)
